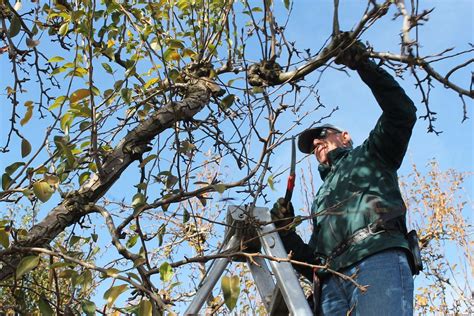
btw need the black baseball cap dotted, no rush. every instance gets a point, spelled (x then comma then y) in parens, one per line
(306, 138)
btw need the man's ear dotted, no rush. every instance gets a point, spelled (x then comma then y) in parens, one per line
(346, 139)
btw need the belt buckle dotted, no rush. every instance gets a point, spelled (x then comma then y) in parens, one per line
(371, 232)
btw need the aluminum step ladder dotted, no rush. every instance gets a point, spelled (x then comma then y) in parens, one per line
(253, 228)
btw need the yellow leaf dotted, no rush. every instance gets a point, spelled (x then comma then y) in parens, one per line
(79, 95)
(144, 308)
(4, 238)
(42, 190)
(28, 115)
(111, 294)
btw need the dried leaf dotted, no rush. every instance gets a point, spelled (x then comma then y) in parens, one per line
(15, 26)
(79, 95)
(27, 117)
(25, 148)
(52, 180)
(31, 43)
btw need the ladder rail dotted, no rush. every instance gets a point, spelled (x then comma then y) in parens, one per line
(285, 275)
(211, 279)
(287, 284)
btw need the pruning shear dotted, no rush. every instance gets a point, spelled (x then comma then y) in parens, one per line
(291, 178)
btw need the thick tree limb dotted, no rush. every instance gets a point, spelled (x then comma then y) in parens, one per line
(79, 203)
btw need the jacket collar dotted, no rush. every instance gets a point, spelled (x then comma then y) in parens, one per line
(333, 157)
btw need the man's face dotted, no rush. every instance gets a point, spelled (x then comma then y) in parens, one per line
(329, 140)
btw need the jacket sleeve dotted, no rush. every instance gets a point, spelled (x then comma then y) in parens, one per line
(300, 252)
(389, 139)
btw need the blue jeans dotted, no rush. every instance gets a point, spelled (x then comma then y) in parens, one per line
(389, 292)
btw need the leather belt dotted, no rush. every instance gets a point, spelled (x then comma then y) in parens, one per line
(363, 233)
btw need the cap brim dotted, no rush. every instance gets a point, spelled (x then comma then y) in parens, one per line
(306, 138)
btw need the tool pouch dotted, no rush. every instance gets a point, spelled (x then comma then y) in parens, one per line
(416, 263)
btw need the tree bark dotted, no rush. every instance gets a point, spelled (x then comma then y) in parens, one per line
(79, 203)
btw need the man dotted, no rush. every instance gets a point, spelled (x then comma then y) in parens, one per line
(359, 226)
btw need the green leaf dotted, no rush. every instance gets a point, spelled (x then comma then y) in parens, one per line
(144, 308)
(173, 43)
(161, 233)
(111, 294)
(132, 241)
(15, 26)
(186, 216)
(44, 307)
(79, 95)
(231, 290)
(88, 307)
(6, 180)
(107, 68)
(166, 272)
(26, 265)
(203, 200)
(42, 190)
(59, 101)
(126, 95)
(171, 54)
(227, 101)
(25, 148)
(134, 276)
(13, 167)
(139, 261)
(220, 187)
(83, 177)
(4, 238)
(138, 200)
(171, 181)
(55, 59)
(271, 182)
(287, 4)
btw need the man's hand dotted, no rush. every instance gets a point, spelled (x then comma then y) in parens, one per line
(352, 56)
(283, 215)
